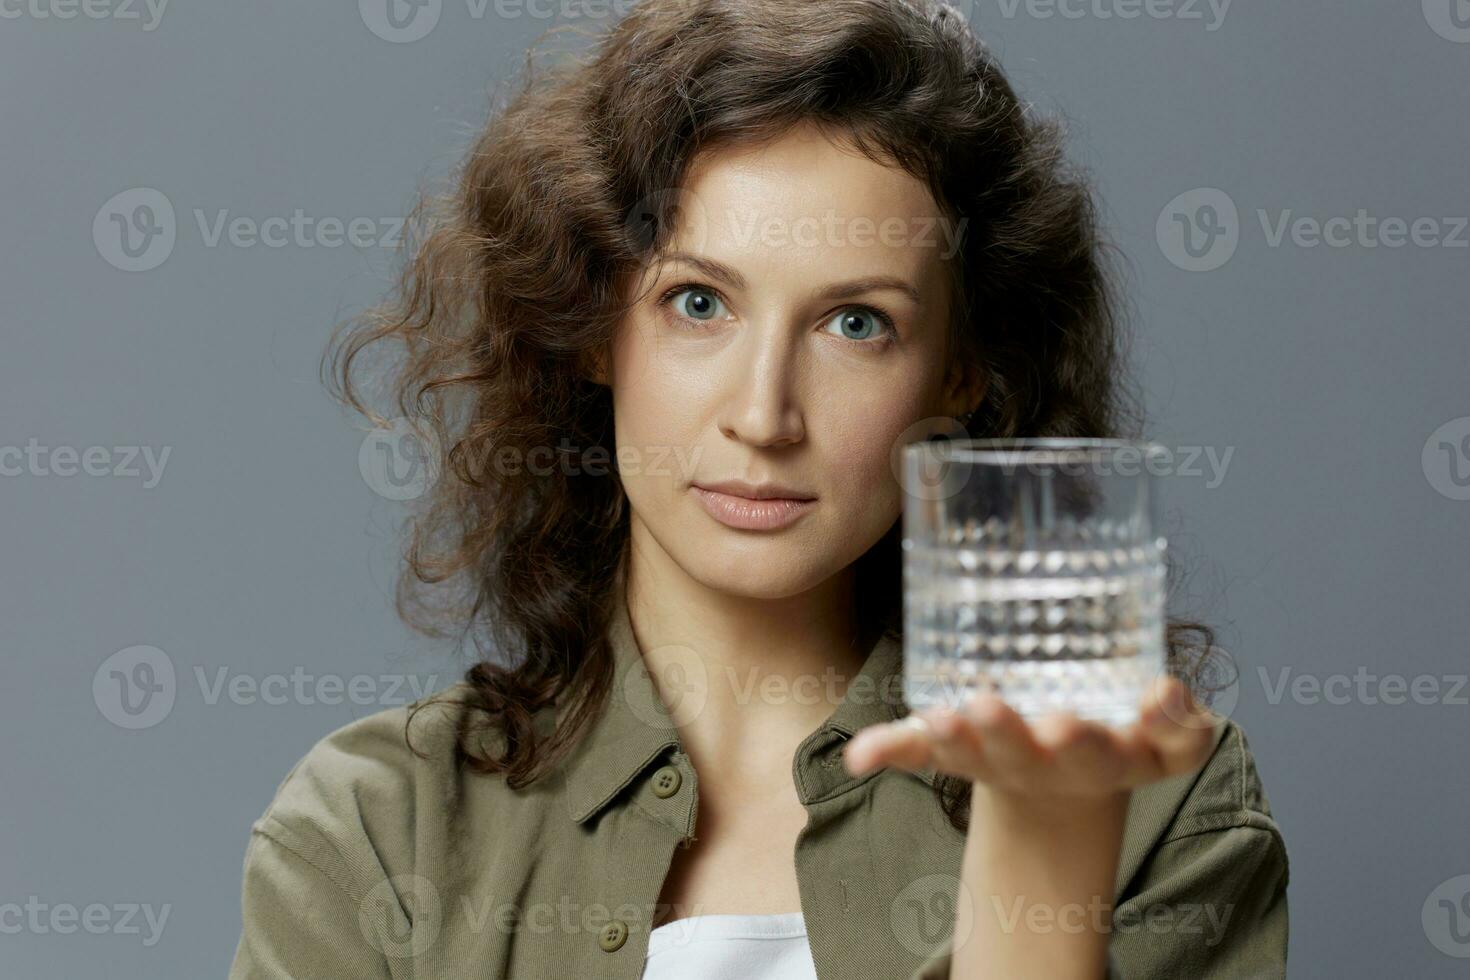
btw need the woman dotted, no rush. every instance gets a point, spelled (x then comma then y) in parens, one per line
(663, 288)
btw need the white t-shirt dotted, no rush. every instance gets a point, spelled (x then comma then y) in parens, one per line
(731, 947)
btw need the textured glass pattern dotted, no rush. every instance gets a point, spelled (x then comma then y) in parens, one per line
(1040, 582)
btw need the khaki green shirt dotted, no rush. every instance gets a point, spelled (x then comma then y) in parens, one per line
(373, 863)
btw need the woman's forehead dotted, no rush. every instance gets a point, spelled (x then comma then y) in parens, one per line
(807, 171)
(805, 205)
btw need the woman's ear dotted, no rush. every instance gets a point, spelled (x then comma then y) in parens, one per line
(968, 384)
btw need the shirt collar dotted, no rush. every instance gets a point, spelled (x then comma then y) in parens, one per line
(634, 727)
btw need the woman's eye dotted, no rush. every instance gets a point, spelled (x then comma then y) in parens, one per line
(697, 304)
(860, 324)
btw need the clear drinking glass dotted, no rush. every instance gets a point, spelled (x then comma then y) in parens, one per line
(1033, 568)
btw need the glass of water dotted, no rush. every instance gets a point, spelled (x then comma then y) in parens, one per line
(1033, 568)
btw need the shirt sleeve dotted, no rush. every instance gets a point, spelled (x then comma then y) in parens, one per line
(298, 922)
(319, 897)
(1211, 905)
(1208, 900)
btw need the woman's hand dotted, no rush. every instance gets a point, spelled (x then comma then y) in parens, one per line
(1047, 812)
(1056, 758)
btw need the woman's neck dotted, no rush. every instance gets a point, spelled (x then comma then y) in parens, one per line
(745, 670)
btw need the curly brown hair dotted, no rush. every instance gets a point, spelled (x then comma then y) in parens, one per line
(521, 276)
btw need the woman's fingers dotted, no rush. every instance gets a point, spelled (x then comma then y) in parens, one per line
(936, 737)
(984, 739)
(1085, 754)
(1008, 749)
(1180, 730)
(959, 747)
(907, 743)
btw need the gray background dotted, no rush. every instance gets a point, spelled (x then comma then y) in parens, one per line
(1334, 545)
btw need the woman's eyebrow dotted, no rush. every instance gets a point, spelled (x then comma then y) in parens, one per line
(866, 284)
(711, 268)
(837, 290)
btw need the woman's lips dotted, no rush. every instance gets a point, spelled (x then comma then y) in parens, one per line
(752, 515)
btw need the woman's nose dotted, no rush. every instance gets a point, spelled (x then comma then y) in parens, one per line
(763, 407)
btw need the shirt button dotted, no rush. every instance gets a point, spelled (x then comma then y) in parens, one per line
(666, 782)
(613, 935)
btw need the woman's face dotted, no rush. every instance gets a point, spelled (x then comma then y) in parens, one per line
(793, 332)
